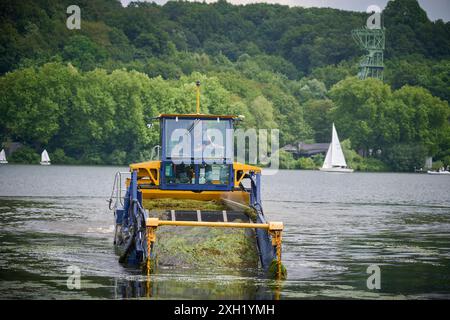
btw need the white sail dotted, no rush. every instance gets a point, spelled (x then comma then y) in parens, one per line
(327, 161)
(338, 159)
(335, 156)
(44, 157)
(3, 157)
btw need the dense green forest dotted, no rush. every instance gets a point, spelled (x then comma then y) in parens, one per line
(85, 95)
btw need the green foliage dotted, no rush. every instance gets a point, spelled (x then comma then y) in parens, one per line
(405, 157)
(318, 160)
(262, 109)
(375, 118)
(332, 74)
(372, 165)
(362, 112)
(58, 156)
(446, 160)
(423, 118)
(83, 53)
(98, 117)
(410, 31)
(201, 247)
(305, 164)
(308, 89)
(415, 70)
(25, 155)
(117, 157)
(298, 40)
(32, 100)
(358, 163)
(287, 160)
(273, 271)
(165, 204)
(206, 247)
(93, 157)
(437, 165)
(317, 116)
(353, 159)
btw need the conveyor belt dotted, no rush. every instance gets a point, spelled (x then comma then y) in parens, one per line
(206, 216)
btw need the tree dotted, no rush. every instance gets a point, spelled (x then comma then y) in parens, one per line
(362, 113)
(262, 110)
(89, 93)
(427, 119)
(83, 52)
(25, 155)
(405, 157)
(32, 102)
(415, 70)
(410, 31)
(317, 116)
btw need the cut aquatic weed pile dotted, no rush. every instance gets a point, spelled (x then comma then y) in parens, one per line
(182, 204)
(199, 247)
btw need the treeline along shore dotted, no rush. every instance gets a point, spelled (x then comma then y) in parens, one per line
(86, 95)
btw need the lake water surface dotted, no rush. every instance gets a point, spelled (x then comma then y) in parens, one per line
(336, 226)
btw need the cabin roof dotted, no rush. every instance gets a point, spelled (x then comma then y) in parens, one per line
(196, 115)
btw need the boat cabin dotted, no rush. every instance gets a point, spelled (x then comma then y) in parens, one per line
(196, 161)
(196, 152)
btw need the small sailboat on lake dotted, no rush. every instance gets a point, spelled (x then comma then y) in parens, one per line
(335, 160)
(3, 157)
(45, 159)
(440, 171)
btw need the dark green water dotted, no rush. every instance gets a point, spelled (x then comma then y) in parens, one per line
(335, 227)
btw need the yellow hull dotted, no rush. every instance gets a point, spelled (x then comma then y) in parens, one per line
(237, 196)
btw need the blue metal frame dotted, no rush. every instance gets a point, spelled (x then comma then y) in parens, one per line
(134, 215)
(267, 252)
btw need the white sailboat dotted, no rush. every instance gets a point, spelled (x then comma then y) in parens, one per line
(335, 160)
(441, 171)
(45, 159)
(3, 157)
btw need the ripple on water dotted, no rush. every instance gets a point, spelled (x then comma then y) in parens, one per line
(335, 227)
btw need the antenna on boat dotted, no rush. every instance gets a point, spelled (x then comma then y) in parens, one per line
(197, 83)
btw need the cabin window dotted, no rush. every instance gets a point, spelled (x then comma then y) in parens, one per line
(178, 136)
(214, 174)
(198, 139)
(179, 173)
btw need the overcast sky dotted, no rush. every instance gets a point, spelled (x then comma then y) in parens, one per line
(436, 9)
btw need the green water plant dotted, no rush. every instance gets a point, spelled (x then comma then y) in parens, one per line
(273, 269)
(199, 247)
(182, 204)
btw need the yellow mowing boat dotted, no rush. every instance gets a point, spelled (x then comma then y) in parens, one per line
(194, 183)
